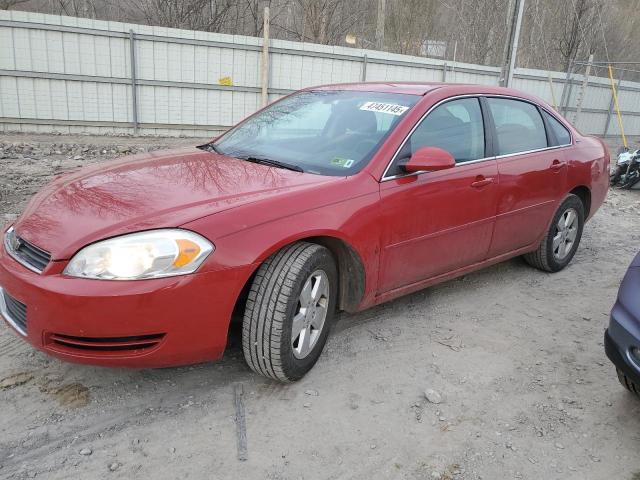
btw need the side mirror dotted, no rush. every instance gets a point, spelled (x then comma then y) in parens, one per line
(429, 159)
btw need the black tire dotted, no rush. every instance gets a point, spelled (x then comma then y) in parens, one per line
(543, 258)
(631, 181)
(628, 384)
(271, 306)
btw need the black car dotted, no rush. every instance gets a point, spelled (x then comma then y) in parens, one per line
(622, 338)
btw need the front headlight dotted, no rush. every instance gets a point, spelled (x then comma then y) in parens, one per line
(152, 254)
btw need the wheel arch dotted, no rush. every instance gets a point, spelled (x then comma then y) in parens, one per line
(351, 272)
(584, 194)
(349, 264)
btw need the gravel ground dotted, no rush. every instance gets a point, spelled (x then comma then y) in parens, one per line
(500, 374)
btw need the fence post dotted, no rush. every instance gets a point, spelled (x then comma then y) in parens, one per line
(607, 124)
(444, 72)
(365, 60)
(514, 38)
(553, 93)
(265, 58)
(134, 88)
(566, 89)
(583, 90)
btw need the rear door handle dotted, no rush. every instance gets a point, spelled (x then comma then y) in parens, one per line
(481, 182)
(557, 165)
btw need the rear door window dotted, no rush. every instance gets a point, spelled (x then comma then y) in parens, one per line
(519, 126)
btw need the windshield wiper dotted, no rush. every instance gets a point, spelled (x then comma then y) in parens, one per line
(210, 147)
(272, 163)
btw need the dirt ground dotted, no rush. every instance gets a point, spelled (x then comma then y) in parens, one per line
(516, 355)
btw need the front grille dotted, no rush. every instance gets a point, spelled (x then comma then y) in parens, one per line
(106, 344)
(26, 253)
(16, 311)
(34, 256)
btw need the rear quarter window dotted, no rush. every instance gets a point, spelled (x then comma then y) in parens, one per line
(563, 137)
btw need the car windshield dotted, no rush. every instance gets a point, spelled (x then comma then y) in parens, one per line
(323, 132)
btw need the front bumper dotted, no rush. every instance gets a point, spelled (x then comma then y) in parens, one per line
(622, 338)
(140, 324)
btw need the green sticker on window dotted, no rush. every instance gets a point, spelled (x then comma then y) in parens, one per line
(342, 162)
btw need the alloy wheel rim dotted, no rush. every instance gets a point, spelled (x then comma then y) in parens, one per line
(311, 313)
(566, 233)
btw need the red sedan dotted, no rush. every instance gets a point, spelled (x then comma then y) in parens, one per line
(333, 198)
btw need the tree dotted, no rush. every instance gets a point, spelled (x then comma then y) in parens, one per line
(410, 23)
(322, 21)
(578, 30)
(480, 27)
(207, 15)
(553, 33)
(7, 4)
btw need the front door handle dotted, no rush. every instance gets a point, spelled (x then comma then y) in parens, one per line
(481, 181)
(557, 165)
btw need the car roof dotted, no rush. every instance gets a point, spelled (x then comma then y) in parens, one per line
(410, 88)
(422, 88)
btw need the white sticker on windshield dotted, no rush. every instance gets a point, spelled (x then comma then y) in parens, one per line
(390, 108)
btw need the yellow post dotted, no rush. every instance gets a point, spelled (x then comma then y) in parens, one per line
(615, 102)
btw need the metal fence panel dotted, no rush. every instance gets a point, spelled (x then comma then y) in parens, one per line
(74, 75)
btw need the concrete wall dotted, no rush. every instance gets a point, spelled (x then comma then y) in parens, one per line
(74, 75)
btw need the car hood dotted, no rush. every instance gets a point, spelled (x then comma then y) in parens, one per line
(147, 191)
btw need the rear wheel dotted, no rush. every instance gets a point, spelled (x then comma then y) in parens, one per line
(628, 384)
(289, 311)
(561, 241)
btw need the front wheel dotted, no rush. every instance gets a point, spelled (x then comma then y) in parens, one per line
(289, 311)
(561, 241)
